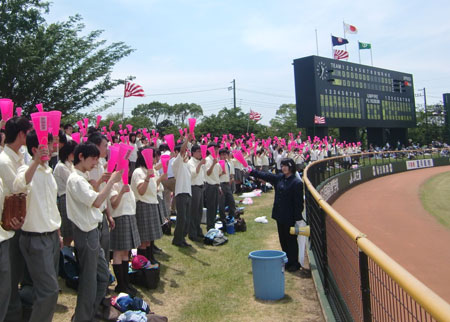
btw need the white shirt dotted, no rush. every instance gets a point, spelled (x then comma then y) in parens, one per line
(133, 154)
(80, 197)
(229, 170)
(61, 173)
(42, 211)
(4, 235)
(264, 160)
(197, 179)
(213, 178)
(95, 174)
(182, 173)
(127, 205)
(138, 177)
(10, 162)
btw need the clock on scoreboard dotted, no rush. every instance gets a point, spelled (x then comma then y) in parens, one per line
(352, 95)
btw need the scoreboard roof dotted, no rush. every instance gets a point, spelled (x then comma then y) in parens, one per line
(352, 95)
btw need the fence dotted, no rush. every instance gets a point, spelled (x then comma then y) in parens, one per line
(361, 282)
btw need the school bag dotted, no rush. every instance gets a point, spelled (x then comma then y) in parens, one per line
(68, 267)
(240, 224)
(215, 237)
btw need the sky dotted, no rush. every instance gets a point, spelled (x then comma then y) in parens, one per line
(197, 47)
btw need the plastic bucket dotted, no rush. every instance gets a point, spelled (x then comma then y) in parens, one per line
(268, 273)
(230, 228)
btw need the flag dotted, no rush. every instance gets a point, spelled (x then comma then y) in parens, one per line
(319, 119)
(350, 28)
(340, 54)
(255, 116)
(364, 45)
(132, 89)
(338, 41)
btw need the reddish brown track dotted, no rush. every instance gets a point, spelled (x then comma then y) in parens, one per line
(390, 212)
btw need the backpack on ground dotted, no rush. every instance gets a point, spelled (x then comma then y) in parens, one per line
(68, 267)
(240, 224)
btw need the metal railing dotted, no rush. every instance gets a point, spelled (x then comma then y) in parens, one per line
(361, 282)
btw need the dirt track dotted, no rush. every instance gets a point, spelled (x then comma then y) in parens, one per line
(390, 212)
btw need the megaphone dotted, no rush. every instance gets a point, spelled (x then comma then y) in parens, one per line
(304, 231)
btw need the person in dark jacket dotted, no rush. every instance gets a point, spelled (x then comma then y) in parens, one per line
(287, 207)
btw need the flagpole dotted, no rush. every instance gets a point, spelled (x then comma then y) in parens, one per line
(359, 53)
(317, 43)
(123, 104)
(345, 37)
(371, 59)
(332, 56)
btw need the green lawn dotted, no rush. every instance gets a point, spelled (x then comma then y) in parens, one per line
(434, 194)
(207, 283)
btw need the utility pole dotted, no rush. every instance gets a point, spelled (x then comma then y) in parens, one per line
(426, 113)
(234, 93)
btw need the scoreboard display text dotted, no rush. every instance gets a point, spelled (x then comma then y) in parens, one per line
(352, 95)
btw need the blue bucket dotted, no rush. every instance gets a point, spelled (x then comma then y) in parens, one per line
(268, 273)
(230, 228)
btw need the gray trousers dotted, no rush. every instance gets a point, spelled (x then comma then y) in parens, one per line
(94, 273)
(5, 280)
(212, 200)
(17, 263)
(226, 199)
(104, 237)
(169, 187)
(183, 202)
(41, 254)
(196, 211)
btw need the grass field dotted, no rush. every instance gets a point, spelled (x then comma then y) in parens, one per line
(434, 194)
(206, 283)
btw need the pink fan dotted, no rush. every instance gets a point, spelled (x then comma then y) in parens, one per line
(130, 128)
(148, 157)
(19, 111)
(192, 125)
(122, 164)
(203, 149)
(170, 141)
(86, 122)
(113, 156)
(40, 122)
(40, 107)
(165, 162)
(85, 139)
(125, 151)
(212, 151)
(222, 165)
(110, 124)
(181, 132)
(54, 121)
(238, 156)
(6, 106)
(76, 137)
(97, 123)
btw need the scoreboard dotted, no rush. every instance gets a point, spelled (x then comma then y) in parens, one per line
(352, 95)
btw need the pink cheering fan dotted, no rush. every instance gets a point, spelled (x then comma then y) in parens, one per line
(54, 121)
(212, 151)
(222, 165)
(40, 107)
(6, 106)
(40, 122)
(123, 165)
(99, 118)
(148, 157)
(76, 137)
(125, 151)
(170, 140)
(110, 124)
(130, 128)
(86, 122)
(203, 149)
(19, 111)
(113, 156)
(165, 162)
(238, 156)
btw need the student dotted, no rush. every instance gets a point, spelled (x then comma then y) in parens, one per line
(83, 204)
(196, 164)
(144, 185)
(125, 235)
(11, 159)
(62, 171)
(183, 195)
(213, 171)
(39, 241)
(226, 195)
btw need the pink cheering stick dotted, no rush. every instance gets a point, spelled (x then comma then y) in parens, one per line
(238, 156)
(122, 164)
(104, 129)
(80, 124)
(185, 131)
(155, 141)
(192, 122)
(86, 122)
(83, 132)
(113, 156)
(124, 151)
(54, 121)
(228, 145)
(170, 140)
(6, 106)
(203, 149)
(85, 139)
(40, 107)
(148, 157)
(216, 139)
(212, 152)
(76, 137)
(40, 122)
(165, 162)
(181, 132)
(110, 124)
(222, 165)
(19, 111)
(97, 122)
(120, 126)
(130, 128)
(122, 138)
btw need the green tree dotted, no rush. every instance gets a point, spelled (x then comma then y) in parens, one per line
(183, 110)
(285, 121)
(59, 64)
(155, 111)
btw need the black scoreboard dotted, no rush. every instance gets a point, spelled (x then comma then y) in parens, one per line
(352, 95)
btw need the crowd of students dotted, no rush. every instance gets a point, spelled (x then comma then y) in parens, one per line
(73, 200)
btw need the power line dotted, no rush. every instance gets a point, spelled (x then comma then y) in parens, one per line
(264, 93)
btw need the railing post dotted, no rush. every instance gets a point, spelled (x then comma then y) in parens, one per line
(365, 286)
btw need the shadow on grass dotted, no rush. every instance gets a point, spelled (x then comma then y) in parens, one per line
(286, 299)
(60, 308)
